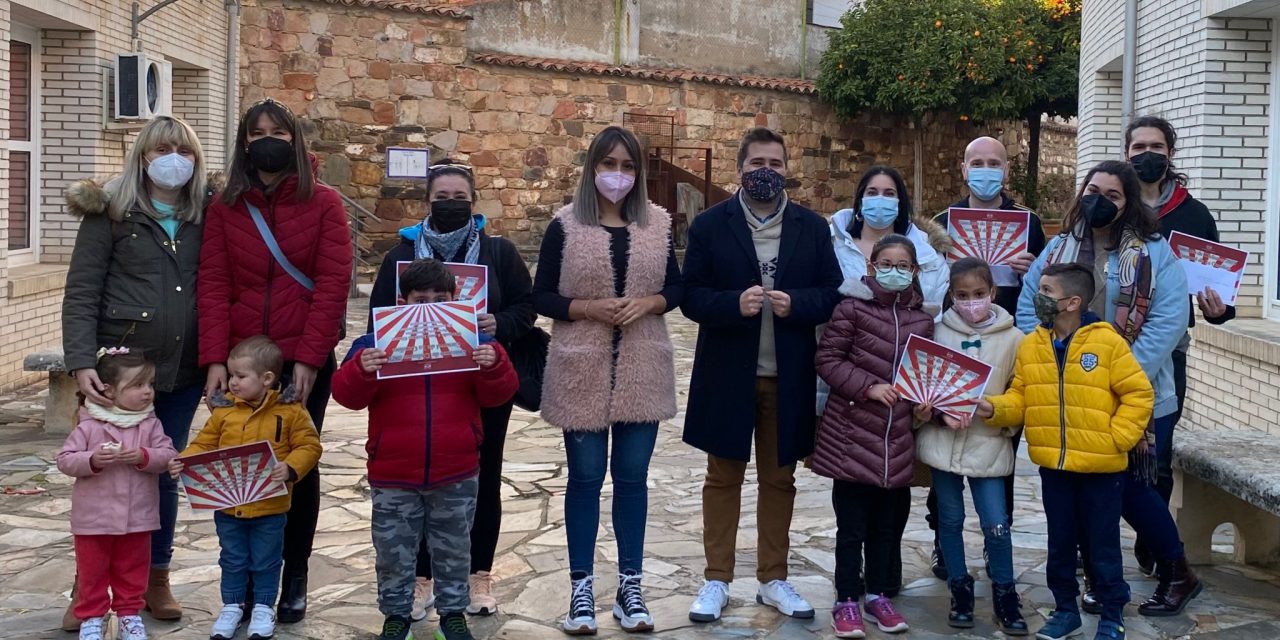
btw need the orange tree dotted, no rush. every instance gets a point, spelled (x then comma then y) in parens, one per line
(976, 59)
(1037, 73)
(911, 59)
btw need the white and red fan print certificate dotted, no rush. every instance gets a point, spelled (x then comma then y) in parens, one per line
(425, 339)
(941, 377)
(230, 477)
(1210, 265)
(473, 283)
(993, 235)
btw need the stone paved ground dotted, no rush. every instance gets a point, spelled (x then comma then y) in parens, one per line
(36, 561)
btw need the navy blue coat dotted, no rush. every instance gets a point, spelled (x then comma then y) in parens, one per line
(720, 263)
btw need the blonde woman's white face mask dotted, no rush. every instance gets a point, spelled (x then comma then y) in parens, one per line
(171, 171)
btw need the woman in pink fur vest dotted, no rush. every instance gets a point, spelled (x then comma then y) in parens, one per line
(606, 274)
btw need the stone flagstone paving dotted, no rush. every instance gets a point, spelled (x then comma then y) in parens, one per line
(36, 559)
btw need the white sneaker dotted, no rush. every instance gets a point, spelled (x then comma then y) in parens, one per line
(712, 597)
(263, 623)
(91, 629)
(424, 597)
(131, 628)
(780, 595)
(224, 628)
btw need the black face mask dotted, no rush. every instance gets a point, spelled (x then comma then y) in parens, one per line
(449, 215)
(1152, 167)
(270, 154)
(1098, 210)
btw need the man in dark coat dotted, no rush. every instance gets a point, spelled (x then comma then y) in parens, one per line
(760, 276)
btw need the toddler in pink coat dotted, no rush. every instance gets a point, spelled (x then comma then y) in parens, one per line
(115, 454)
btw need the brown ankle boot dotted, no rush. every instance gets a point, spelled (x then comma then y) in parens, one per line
(159, 599)
(1177, 586)
(69, 620)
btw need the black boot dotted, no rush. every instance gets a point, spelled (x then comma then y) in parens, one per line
(938, 564)
(1089, 603)
(1177, 586)
(1008, 615)
(1146, 560)
(961, 616)
(293, 596)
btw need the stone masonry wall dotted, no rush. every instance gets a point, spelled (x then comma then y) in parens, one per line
(369, 78)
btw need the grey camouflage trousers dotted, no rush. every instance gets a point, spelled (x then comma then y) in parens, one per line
(401, 517)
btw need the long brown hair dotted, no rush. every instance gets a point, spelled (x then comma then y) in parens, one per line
(1136, 216)
(238, 178)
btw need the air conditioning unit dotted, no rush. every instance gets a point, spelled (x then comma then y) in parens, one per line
(143, 87)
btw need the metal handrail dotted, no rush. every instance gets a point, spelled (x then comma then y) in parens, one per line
(356, 223)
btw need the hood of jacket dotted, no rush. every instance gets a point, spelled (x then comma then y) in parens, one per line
(930, 238)
(411, 232)
(90, 198)
(1003, 321)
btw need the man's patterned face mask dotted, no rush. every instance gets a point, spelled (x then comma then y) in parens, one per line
(763, 184)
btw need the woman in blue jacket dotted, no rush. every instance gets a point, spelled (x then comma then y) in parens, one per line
(1144, 296)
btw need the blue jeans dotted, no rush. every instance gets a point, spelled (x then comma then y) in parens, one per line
(1084, 509)
(988, 501)
(251, 547)
(588, 454)
(175, 410)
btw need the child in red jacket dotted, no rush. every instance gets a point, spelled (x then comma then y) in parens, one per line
(424, 444)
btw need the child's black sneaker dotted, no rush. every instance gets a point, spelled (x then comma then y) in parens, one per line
(396, 628)
(453, 626)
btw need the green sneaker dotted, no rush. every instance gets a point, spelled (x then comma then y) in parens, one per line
(453, 626)
(396, 628)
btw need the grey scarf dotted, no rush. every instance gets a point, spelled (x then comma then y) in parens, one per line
(444, 246)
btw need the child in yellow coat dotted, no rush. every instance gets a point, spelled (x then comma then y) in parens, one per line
(252, 535)
(1085, 402)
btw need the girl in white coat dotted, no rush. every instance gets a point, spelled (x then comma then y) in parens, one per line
(957, 449)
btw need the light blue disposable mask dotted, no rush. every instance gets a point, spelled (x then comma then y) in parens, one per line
(986, 183)
(879, 212)
(893, 278)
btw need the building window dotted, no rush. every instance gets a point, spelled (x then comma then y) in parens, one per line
(24, 150)
(827, 13)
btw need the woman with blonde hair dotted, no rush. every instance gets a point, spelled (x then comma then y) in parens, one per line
(132, 283)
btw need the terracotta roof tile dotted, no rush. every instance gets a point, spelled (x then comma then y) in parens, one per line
(789, 85)
(408, 6)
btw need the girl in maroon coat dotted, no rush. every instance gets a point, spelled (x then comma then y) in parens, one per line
(865, 440)
(276, 260)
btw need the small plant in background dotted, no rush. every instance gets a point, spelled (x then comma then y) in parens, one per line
(1050, 196)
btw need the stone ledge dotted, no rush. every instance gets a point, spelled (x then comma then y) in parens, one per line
(1253, 338)
(34, 279)
(1241, 463)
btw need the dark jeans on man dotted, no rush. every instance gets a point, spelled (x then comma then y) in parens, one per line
(488, 516)
(300, 531)
(1084, 509)
(175, 410)
(869, 521)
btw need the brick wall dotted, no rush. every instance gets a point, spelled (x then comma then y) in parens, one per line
(4, 136)
(1234, 377)
(30, 323)
(368, 79)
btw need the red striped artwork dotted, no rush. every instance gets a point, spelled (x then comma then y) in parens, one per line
(230, 477)
(425, 339)
(995, 236)
(946, 379)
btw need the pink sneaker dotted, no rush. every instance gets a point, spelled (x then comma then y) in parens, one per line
(846, 619)
(881, 611)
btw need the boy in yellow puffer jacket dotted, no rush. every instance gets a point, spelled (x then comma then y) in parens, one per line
(1085, 402)
(252, 535)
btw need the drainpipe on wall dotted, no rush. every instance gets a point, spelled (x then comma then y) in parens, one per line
(233, 69)
(804, 38)
(617, 33)
(1129, 64)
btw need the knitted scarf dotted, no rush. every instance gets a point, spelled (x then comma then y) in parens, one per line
(1137, 286)
(122, 418)
(444, 246)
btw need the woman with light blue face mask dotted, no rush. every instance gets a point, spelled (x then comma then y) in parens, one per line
(881, 207)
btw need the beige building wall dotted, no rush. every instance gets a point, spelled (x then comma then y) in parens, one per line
(73, 45)
(1209, 67)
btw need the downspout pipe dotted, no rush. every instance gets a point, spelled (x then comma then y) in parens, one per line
(233, 69)
(804, 39)
(1129, 65)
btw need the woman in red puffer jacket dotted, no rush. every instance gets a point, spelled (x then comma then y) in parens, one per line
(297, 298)
(865, 440)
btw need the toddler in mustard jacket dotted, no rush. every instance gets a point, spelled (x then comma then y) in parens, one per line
(252, 535)
(1085, 402)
